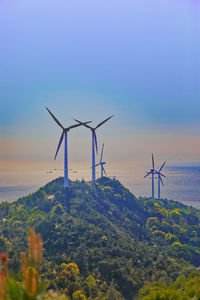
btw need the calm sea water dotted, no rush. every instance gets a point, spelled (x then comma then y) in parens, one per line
(21, 178)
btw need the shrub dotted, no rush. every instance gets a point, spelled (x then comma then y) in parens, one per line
(152, 221)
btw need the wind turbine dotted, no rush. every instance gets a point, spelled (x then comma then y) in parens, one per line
(94, 143)
(152, 172)
(64, 136)
(101, 163)
(160, 178)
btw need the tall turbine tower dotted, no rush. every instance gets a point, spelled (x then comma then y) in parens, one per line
(94, 143)
(152, 172)
(160, 178)
(64, 135)
(101, 163)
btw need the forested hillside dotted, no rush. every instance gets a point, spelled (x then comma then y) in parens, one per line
(121, 242)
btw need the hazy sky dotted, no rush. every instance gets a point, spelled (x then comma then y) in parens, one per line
(138, 60)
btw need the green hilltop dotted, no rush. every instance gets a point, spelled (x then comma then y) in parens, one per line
(122, 242)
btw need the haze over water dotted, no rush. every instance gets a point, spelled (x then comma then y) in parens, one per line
(21, 178)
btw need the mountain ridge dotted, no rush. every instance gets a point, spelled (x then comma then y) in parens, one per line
(107, 231)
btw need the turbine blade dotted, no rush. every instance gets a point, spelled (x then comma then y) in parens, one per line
(160, 178)
(104, 171)
(152, 162)
(162, 175)
(97, 165)
(101, 153)
(103, 122)
(95, 140)
(84, 124)
(55, 118)
(162, 166)
(59, 144)
(77, 125)
(147, 174)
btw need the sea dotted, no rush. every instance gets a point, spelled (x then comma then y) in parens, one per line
(182, 183)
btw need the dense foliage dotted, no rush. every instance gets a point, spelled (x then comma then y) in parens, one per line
(184, 288)
(28, 285)
(117, 241)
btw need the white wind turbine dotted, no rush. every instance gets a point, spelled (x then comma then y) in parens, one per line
(64, 136)
(160, 178)
(152, 172)
(102, 163)
(94, 143)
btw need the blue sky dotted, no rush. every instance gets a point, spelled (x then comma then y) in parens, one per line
(88, 59)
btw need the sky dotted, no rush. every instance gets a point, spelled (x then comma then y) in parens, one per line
(138, 60)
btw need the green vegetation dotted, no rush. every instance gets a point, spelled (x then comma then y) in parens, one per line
(184, 288)
(29, 286)
(102, 241)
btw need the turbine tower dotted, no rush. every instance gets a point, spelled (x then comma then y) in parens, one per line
(160, 178)
(101, 163)
(94, 143)
(152, 172)
(64, 135)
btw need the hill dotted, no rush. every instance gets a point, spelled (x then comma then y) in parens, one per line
(124, 242)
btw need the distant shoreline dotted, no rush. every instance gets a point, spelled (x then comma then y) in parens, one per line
(181, 184)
